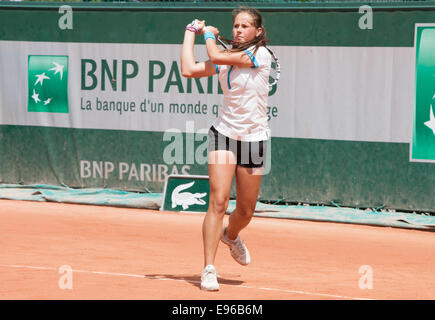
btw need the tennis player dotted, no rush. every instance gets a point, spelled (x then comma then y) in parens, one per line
(238, 138)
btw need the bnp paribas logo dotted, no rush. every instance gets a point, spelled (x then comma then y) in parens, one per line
(423, 134)
(47, 83)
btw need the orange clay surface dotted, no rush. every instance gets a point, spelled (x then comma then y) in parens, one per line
(119, 253)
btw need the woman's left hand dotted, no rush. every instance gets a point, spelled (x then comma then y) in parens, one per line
(212, 29)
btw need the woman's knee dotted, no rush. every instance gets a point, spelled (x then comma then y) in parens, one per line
(218, 204)
(245, 211)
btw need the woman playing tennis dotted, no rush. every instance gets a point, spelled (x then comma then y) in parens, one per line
(238, 138)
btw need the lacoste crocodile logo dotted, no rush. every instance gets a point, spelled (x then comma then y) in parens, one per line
(186, 199)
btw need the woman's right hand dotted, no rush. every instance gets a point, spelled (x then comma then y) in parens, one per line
(200, 25)
(196, 26)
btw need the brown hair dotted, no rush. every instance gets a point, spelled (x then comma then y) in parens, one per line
(259, 41)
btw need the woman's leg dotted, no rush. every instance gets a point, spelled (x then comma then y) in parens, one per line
(248, 182)
(221, 174)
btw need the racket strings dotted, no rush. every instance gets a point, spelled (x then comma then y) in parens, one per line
(275, 69)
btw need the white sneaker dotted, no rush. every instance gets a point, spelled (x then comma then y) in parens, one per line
(238, 249)
(209, 279)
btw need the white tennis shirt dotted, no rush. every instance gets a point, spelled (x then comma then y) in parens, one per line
(243, 115)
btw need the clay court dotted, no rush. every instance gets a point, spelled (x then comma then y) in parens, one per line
(122, 253)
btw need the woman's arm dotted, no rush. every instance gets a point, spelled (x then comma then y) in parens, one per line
(189, 67)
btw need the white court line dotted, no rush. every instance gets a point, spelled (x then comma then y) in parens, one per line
(183, 280)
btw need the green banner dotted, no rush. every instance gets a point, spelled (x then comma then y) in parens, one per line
(305, 25)
(94, 97)
(423, 138)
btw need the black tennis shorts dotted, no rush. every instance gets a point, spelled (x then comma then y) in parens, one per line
(250, 154)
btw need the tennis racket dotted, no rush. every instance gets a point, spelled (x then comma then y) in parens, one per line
(219, 39)
(275, 68)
